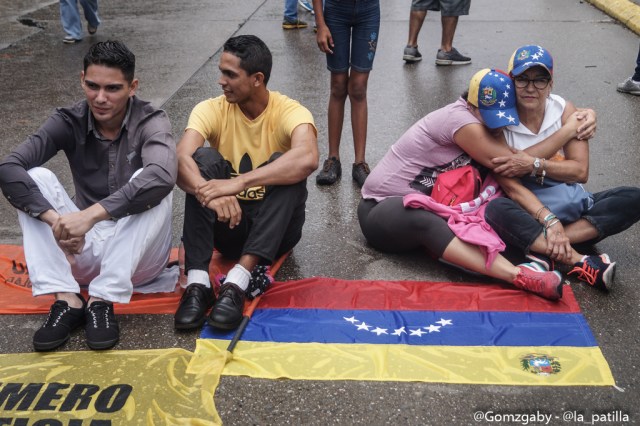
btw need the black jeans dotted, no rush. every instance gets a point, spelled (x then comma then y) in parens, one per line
(268, 228)
(613, 211)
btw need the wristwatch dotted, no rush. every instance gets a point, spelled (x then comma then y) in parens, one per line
(536, 166)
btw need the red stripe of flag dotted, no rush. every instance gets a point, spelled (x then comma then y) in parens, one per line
(330, 293)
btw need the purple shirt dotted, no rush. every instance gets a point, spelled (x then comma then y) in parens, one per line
(425, 150)
(101, 168)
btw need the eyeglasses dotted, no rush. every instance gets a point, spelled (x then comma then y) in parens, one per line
(538, 83)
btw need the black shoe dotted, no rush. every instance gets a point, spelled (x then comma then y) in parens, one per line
(330, 173)
(57, 328)
(359, 172)
(227, 312)
(453, 57)
(194, 304)
(101, 329)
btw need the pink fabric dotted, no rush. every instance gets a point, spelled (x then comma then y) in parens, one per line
(466, 220)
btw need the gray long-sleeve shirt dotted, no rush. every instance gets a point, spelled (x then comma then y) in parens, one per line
(101, 168)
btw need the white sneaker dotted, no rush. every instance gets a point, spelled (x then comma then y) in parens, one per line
(70, 40)
(630, 86)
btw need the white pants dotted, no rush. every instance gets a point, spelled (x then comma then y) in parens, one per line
(117, 255)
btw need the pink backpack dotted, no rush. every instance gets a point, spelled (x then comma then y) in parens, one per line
(457, 186)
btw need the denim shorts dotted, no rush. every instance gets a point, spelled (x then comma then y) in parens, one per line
(354, 26)
(446, 7)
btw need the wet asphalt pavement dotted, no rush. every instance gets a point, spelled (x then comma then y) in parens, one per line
(178, 44)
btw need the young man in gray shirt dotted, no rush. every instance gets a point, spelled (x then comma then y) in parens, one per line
(116, 233)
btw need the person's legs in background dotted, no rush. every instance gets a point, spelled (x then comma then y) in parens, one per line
(416, 19)
(291, 20)
(364, 42)
(90, 8)
(337, 16)
(636, 75)
(70, 20)
(632, 84)
(450, 11)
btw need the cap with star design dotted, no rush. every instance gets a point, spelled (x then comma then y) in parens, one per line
(491, 91)
(529, 56)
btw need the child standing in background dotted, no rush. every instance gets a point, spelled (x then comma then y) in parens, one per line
(348, 34)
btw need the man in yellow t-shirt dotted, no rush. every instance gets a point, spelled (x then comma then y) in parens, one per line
(246, 193)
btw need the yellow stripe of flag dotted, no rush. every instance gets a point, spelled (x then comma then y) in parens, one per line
(511, 365)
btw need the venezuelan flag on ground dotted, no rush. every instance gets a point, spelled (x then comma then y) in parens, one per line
(329, 329)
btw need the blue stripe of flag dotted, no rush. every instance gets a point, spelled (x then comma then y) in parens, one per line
(449, 328)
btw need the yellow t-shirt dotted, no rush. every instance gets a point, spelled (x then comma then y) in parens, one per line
(248, 144)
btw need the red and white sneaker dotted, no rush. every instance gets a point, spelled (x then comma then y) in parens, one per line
(535, 279)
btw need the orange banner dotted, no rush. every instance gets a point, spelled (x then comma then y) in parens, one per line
(15, 286)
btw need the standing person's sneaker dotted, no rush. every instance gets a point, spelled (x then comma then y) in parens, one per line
(71, 40)
(359, 172)
(57, 328)
(227, 311)
(411, 54)
(194, 304)
(630, 86)
(597, 271)
(293, 24)
(452, 57)
(533, 278)
(306, 6)
(330, 173)
(101, 328)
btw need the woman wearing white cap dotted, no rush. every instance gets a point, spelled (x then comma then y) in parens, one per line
(569, 214)
(444, 140)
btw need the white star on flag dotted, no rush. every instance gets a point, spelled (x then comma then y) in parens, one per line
(505, 94)
(502, 104)
(379, 331)
(511, 119)
(500, 114)
(508, 86)
(502, 79)
(363, 326)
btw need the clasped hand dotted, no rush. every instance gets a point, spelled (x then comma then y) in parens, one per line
(558, 244)
(69, 230)
(219, 195)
